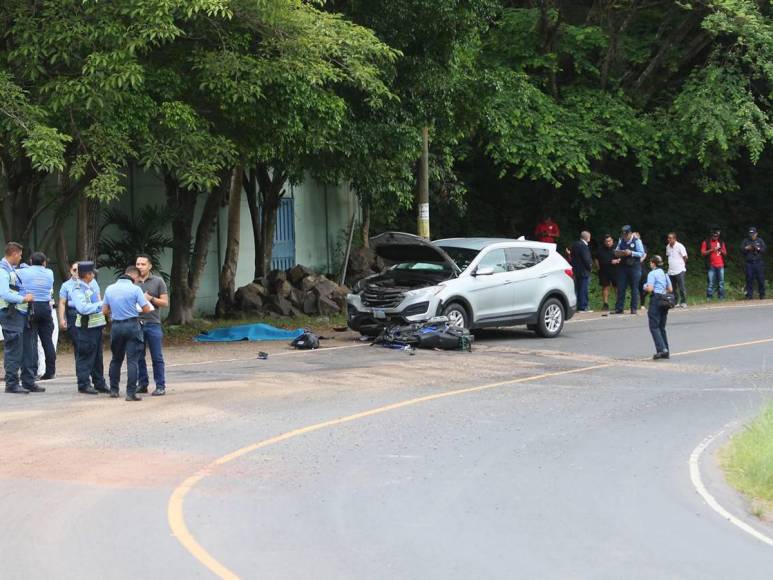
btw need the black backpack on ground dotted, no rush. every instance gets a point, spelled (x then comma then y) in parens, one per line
(306, 341)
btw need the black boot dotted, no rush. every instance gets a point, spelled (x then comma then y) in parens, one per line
(134, 397)
(88, 390)
(17, 390)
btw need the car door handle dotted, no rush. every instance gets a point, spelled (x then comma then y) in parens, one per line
(545, 275)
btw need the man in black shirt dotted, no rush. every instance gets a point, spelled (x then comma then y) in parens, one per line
(606, 263)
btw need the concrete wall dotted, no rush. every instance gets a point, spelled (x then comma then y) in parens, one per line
(322, 216)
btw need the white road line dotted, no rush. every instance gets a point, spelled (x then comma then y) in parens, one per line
(697, 481)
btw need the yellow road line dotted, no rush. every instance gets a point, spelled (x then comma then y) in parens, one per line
(723, 347)
(176, 517)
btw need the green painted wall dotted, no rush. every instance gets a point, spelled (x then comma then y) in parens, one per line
(322, 217)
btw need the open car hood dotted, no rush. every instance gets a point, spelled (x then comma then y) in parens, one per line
(402, 247)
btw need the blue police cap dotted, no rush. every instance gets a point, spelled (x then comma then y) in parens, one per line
(85, 268)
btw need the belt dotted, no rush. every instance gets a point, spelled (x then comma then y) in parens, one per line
(125, 320)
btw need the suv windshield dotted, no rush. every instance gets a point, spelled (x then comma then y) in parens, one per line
(427, 266)
(462, 257)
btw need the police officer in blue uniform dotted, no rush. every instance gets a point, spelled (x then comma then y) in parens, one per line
(90, 321)
(13, 320)
(123, 303)
(754, 249)
(630, 250)
(39, 281)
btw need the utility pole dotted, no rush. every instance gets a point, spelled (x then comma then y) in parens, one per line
(423, 229)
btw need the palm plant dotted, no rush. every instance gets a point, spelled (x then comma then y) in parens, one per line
(144, 233)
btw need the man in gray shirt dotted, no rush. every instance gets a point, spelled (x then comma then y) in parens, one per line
(157, 295)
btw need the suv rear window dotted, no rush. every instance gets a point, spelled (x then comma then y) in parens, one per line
(522, 258)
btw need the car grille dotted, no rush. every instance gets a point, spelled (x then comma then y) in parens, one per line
(378, 297)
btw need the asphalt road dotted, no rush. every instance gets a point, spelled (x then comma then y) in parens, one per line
(528, 458)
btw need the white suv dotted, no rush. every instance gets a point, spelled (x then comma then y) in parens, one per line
(475, 282)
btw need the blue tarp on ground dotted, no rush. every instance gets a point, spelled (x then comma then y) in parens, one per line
(248, 332)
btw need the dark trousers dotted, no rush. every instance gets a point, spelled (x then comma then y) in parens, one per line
(39, 325)
(154, 338)
(125, 341)
(581, 286)
(629, 276)
(89, 365)
(72, 330)
(657, 318)
(13, 324)
(755, 272)
(677, 283)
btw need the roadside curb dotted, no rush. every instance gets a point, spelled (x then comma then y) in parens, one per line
(709, 482)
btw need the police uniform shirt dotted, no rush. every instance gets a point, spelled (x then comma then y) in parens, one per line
(123, 297)
(9, 277)
(87, 302)
(39, 282)
(658, 280)
(65, 292)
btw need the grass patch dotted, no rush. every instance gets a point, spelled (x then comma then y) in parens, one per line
(695, 282)
(748, 461)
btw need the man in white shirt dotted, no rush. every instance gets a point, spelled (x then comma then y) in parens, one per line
(677, 268)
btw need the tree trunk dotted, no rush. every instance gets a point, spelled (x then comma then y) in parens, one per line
(227, 282)
(87, 232)
(271, 192)
(188, 267)
(251, 192)
(365, 226)
(20, 204)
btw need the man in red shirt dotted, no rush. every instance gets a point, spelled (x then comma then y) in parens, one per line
(714, 250)
(547, 231)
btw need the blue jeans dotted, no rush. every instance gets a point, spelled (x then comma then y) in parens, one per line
(581, 285)
(89, 365)
(755, 272)
(125, 341)
(716, 277)
(154, 338)
(657, 318)
(629, 276)
(13, 324)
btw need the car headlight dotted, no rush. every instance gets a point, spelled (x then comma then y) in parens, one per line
(427, 292)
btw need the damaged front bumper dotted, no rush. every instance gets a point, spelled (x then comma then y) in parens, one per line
(371, 321)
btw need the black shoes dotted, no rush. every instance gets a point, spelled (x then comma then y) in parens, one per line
(159, 392)
(113, 393)
(142, 390)
(89, 391)
(134, 397)
(36, 389)
(102, 389)
(17, 390)
(47, 377)
(661, 355)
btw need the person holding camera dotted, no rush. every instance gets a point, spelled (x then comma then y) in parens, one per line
(714, 250)
(630, 250)
(658, 284)
(754, 249)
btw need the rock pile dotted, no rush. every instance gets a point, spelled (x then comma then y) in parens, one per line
(293, 292)
(363, 262)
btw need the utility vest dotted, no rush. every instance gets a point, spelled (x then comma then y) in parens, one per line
(13, 284)
(90, 320)
(630, 245)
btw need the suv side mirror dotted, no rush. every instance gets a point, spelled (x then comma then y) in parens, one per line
(483, 271)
